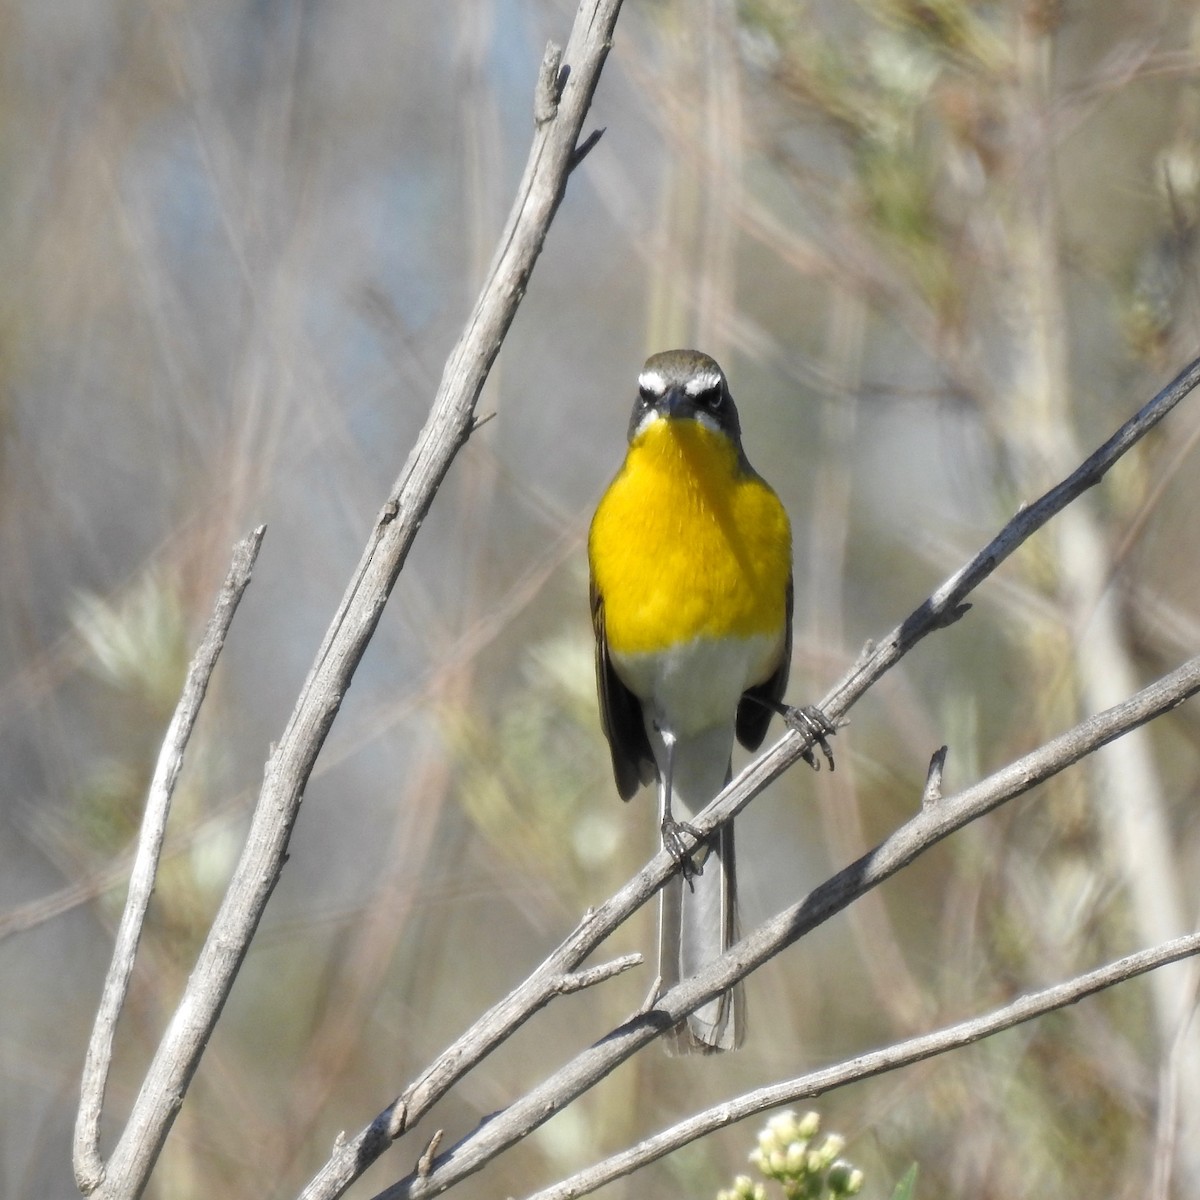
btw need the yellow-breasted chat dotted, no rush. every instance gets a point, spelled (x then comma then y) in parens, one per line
(691, 590)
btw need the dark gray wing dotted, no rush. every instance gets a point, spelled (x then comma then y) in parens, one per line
(753, 716)
(620, 714)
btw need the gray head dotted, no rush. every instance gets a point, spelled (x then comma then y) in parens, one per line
(685, 385)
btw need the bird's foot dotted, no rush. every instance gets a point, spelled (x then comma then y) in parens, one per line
(690, 864)
(809, 721)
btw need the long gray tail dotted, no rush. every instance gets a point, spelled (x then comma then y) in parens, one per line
(698, 918)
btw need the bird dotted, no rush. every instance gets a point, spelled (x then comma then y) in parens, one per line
(690, 561)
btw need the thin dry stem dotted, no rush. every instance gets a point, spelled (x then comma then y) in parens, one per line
(864, 1066)
(912, 839)
(552, 156)
(88, 1163)
(576, 981)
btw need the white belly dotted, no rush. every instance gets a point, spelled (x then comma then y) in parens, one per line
(697, 685)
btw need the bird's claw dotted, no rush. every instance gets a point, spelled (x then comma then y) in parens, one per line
(810, 722)
(690, 864)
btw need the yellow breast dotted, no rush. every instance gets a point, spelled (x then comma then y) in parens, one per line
(687, 544)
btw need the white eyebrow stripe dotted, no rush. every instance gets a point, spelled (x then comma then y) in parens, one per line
(652, 381)
(703, 381)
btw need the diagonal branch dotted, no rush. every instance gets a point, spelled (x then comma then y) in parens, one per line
(499, 1022)
(564, 96)
(866, 1066)
(89, 1167)
(563, 100)
(930, 826)
(912, 839)
(945, 605)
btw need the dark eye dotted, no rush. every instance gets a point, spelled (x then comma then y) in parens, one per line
(713, 398)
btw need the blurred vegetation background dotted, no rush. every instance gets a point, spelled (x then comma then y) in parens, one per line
(941, 248)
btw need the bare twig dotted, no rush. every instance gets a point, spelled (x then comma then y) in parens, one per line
(924, 830)
(933, 780)
(425, 1162)
(89, 1166)
(576, 981)
(864, 1066)
(561, 108)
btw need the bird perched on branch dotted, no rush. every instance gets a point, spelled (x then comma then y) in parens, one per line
(691, 590)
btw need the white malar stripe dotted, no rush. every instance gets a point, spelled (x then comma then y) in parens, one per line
(700, 418)
(651, 415)
(708, 421)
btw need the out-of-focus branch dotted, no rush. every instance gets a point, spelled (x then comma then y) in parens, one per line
(865, 1066)
(1132, 812)
(565, 88)
(89, 1166)
(926, 829)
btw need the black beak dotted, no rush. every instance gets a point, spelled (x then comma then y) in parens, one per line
(675, 403)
